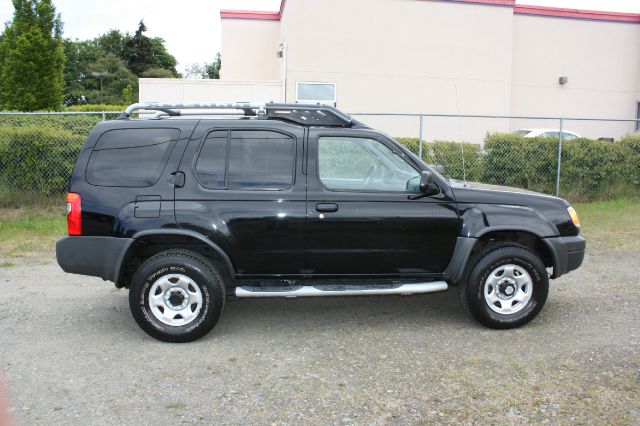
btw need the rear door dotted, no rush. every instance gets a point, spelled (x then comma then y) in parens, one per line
(244, 190)
(364, 214)
(123, 175)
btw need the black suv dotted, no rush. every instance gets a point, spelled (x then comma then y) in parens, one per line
(190, 209)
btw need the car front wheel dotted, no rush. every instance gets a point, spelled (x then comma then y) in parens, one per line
(506, 287)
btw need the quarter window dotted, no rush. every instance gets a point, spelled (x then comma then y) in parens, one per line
(130, 157)
(247, 159)
(362, 164)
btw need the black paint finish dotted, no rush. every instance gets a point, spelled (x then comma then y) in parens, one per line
(275, 229)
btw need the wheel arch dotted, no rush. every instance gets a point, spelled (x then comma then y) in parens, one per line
(145, 244)
(466, 248)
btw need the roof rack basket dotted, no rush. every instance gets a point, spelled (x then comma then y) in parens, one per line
(305, 114)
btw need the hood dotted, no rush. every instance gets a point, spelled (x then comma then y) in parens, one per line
(553, 209)
(470, 192)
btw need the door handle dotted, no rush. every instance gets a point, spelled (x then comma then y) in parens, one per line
(176, 179)
(327, 207)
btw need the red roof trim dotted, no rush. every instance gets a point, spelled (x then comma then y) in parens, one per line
(253, 14)
(249, 14)
(557, 12)
(577, 14)
(487, 2)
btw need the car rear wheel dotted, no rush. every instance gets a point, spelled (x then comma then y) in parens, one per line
(177, 296)
(506, 288)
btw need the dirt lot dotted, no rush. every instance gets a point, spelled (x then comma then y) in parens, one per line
(71, 353)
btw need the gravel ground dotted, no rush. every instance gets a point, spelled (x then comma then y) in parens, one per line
(72, 354)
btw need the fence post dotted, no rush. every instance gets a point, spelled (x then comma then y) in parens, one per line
(104, 117)
(420, 138)
(559, 158)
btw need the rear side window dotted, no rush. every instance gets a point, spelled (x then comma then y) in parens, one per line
(130, 157)
(247, 159)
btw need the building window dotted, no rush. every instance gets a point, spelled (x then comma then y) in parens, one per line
(638, 117)
(324, 93)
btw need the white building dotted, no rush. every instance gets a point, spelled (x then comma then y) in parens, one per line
(469, 57)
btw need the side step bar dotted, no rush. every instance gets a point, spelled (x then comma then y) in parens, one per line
(337, 290)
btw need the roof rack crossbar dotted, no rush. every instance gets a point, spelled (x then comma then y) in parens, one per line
(171, 109)
(305, 114)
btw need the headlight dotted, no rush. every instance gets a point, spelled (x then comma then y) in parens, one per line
(574, 216)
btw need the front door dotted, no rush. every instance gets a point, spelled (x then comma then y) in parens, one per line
(364, 213)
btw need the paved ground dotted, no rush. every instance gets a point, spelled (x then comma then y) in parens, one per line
(72, 354)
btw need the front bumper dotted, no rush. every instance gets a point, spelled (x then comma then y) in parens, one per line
(567, 252)
(94, 256)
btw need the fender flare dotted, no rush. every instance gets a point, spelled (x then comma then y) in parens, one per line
(465, 245)
(178, 232)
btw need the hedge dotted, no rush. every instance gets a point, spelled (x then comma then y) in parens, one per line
(37, 160)
(591, 169)
(96, 107)
(38, 155)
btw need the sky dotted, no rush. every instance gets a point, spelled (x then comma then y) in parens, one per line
(191, 28)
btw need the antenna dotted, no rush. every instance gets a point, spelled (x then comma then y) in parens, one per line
(464, 169)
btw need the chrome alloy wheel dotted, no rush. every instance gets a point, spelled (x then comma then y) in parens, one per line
(175, 299)
(508, 289)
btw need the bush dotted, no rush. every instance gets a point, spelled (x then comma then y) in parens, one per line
(96, 108)
(446, 157)
(450, 156)
(514, 160)
(37, 160)
(591, 169)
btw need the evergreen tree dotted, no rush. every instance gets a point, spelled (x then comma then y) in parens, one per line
(212, 70)
(138, 51)
(32, 58)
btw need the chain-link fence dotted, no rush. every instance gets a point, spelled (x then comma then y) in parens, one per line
(38, 152)
(576, 158)
(579, 159)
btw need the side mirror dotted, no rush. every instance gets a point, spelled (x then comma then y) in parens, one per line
(427, 186)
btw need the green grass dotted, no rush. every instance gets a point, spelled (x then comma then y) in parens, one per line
(612, 225)
(30, 231)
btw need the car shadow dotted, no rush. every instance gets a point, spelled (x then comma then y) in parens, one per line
(244, 317)
(336, 314)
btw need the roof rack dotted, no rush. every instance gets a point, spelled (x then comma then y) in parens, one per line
(305, 114)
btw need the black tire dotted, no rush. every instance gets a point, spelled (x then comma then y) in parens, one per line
(472, 289)
(179, 267)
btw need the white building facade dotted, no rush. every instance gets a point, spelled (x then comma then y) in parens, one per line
(488, 57)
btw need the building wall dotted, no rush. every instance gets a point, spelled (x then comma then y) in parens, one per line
(478, 57)
(402, 56)
(600, 59)
(173, 90)
(250, 47)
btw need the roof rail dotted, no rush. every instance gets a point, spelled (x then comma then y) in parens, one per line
(172, 109)
(306, 114)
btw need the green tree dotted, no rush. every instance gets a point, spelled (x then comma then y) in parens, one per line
(32, 58)
(138, 51)
(212, 70)
(157, 73)
(79, 56)
(114, 42)
(118, 78)
(162, 58)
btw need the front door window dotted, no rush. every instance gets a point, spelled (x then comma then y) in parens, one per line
(363, 164)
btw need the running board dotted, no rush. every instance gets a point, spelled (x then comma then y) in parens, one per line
(341, 290)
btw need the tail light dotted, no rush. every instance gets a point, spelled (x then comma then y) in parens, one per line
(74, 214)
